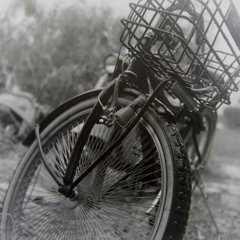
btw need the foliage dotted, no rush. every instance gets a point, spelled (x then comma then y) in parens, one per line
(56, 53)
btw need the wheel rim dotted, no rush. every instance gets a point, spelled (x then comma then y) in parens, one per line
(127, 212)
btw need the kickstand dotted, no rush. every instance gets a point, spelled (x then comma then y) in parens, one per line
(199, 183)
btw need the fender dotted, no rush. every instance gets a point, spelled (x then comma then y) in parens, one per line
(58, 111)
(82, 97)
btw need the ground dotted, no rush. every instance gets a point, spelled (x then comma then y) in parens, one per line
(221, 179)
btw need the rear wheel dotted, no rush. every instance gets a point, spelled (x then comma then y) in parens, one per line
(142, 190)
(203, 136)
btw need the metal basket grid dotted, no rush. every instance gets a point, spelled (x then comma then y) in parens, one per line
(188, 40)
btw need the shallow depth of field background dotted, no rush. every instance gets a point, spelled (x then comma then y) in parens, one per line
(55, 48)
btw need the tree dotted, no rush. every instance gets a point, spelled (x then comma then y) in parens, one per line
(55, 53)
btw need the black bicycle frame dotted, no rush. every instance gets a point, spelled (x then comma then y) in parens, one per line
(134, 69)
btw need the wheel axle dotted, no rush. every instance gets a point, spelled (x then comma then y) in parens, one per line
(68, 192)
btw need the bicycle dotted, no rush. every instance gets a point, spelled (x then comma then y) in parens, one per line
(112, 163)
(19, 112)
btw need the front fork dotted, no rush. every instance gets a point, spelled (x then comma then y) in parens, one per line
(67, 188)
(126, 117)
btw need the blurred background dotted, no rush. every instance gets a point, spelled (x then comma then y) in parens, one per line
(55, 49)
(51, 50)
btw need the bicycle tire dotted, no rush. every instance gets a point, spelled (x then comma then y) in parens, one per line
(34, 209)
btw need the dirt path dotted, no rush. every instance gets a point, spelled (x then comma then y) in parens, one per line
(222, 184)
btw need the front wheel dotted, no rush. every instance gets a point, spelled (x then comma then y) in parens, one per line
(142, 190)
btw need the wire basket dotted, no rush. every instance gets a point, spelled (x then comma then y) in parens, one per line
(196, 42)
